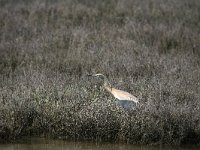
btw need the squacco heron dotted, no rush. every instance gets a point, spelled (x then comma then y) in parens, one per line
(125, 99)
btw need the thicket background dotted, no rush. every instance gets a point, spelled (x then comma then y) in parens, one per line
(150, 48)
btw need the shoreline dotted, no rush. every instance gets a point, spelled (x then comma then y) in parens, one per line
(147, 48)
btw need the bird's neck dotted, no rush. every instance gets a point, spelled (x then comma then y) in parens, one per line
(108, 87)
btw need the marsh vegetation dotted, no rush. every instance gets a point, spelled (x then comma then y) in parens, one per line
(148, 48)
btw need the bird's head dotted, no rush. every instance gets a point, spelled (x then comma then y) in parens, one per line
(102, 77)
(98, 75)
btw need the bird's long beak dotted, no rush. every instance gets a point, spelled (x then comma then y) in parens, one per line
(96, 75)
(91, 75)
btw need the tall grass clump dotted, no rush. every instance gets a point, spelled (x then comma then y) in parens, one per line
(149, 48)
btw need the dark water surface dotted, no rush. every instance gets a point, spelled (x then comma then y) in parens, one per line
(50, 144)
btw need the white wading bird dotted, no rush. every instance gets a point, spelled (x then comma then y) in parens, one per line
(125, 99)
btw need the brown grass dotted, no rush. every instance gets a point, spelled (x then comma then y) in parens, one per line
(149, 48)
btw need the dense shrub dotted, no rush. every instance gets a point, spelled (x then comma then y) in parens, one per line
(149, 48)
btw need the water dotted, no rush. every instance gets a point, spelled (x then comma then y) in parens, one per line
(49, 144)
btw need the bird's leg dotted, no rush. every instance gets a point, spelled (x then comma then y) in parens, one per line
(116, 107)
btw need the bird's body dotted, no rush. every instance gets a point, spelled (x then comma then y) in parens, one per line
(121, 95)
(124, 99)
